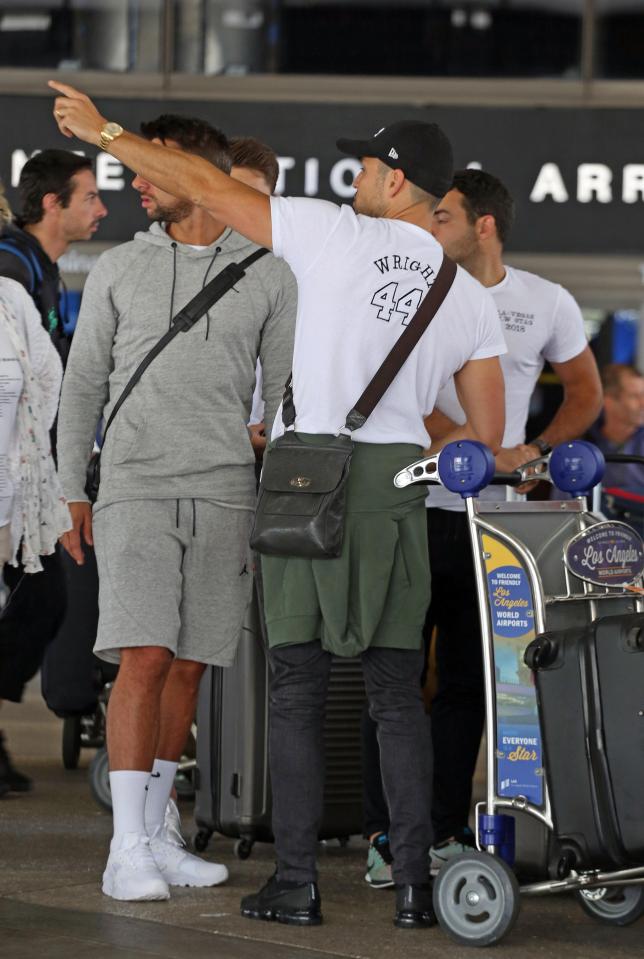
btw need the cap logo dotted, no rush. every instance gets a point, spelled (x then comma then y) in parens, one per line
(379, 132)
(392, 153)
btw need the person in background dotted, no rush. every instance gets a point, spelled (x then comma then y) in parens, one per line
(620, 429)
(59, 204)
(33, 513)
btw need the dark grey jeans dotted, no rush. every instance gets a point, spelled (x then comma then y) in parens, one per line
(299, 683)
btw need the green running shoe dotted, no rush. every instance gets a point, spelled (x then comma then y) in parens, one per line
(379, 860)
(446, 850)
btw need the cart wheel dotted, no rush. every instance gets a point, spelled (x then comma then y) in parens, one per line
(71, 741)
(613, 905)
(476, 898)
(99, 780)
(201, 840)
(243, 848)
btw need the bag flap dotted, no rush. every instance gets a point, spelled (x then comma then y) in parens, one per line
(304, 469)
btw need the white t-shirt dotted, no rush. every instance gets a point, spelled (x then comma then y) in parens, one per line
(541, 321)
(360, 281)
(257, 408)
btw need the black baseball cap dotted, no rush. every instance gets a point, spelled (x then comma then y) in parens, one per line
(420, 150)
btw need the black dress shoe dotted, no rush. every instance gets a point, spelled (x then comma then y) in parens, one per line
(290, 902)
(9, 775)
(414, 908)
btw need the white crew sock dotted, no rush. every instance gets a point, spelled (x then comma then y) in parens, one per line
(128, 788)
(159, 789)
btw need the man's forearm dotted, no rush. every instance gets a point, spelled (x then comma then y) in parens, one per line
(181, 174)
(575, 415)
(582, 399)
(465, 432)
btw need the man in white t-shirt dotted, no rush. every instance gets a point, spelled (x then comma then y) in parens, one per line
(361, 276)
(542, 322)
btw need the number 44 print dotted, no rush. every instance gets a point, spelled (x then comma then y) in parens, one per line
(390, 304)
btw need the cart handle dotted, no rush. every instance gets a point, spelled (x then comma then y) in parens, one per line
(467, 466)
(624, 458)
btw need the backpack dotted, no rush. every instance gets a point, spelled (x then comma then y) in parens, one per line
(27, 256)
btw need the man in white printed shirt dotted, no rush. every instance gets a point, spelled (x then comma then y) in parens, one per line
(541, 321)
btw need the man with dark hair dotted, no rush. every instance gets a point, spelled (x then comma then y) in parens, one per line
(541, 322)
(620, 429)
(59, 205)
(177, 489)
(192, 135)
(254, 163)
(482, 194)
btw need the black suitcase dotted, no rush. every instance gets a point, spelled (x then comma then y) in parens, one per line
(72, 677)
(590, 690)
(232, 780)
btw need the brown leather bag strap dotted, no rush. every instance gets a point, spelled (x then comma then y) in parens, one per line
(406, 342)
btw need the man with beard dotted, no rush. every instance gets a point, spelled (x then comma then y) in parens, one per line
(59, 205)
(541, 322)
(362, 274)
(177, 490)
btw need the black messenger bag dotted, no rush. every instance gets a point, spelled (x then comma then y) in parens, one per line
(302, 493)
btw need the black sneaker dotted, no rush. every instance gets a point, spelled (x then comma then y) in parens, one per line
(9, 775)
(290, 902)
(414, 908)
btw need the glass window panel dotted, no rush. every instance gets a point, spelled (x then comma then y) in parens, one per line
(529, 38)
(620, 39)
(116, 35)
(521, 38)
(224, 36)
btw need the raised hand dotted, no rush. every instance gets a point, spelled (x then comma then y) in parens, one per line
(76, 115)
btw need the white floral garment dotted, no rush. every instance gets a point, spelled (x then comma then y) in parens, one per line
(39, 511)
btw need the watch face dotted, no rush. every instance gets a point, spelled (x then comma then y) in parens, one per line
(113, 129)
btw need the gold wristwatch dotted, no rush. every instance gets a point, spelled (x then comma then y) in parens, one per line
(110, 131)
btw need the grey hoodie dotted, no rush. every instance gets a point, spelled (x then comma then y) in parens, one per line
(182, 430)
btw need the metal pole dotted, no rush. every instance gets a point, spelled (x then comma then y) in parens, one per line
(167, 44)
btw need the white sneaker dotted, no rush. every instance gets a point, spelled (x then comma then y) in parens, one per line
(179, 867)
(131, 873)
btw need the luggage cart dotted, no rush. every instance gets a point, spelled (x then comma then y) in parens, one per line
(534, 593)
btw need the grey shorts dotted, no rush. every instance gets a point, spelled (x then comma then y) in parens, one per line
(172, 573)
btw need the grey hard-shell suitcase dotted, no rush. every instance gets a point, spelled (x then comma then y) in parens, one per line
(232, 781)
(590, 686)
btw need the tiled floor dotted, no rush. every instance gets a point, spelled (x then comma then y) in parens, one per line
(52, 848)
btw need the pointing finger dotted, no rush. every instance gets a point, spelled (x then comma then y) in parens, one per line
(66, 90)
